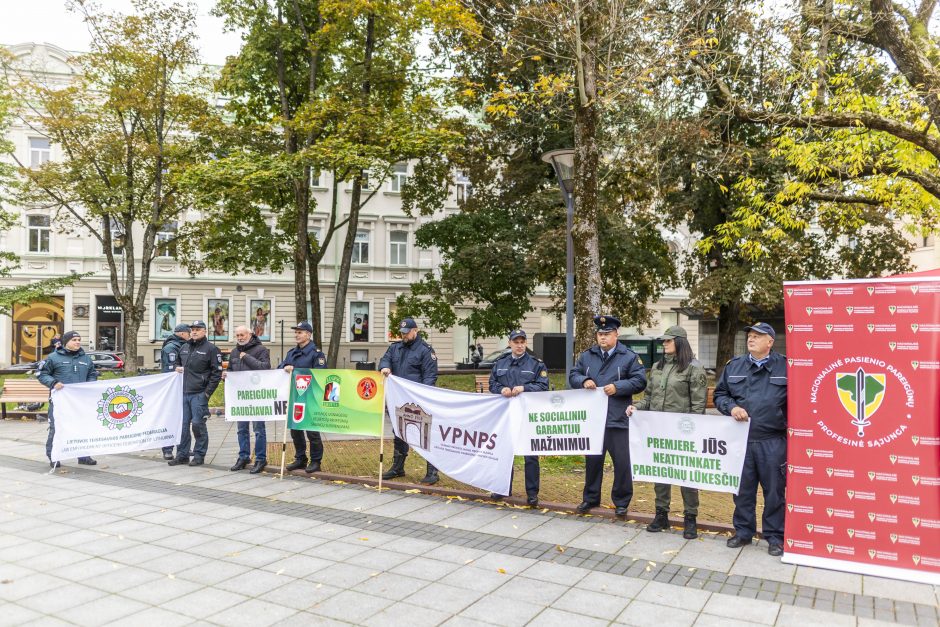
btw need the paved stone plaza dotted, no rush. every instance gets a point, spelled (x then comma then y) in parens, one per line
(135, 542)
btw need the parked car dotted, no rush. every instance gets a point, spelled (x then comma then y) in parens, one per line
(104, 360)
(489, 360)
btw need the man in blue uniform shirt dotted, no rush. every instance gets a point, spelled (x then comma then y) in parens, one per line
(514, 373)
(611, 366)
(305, 355)
(66, 364)
(170, 359)
(753, 388)
(411, 359)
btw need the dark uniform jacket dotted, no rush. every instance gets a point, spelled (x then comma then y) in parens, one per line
(64, 366)
(170, 353)
(415, 362)
(670, 390)
(307, 357)
(622, 368)
(762, 391)
(202, 367)
(251, 356)
(526, 371)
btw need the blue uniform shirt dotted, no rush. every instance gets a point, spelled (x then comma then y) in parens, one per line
(415, 362)
(63, 366)
(307, 357)
(761, 390)
(622, 368)
(526, 371)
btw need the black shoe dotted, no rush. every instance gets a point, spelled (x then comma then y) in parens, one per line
(397, 469)
(87, 461)
(313, 467)
(239, 465)
(258, 467)
(690, 532)
(55, 464)
(585, 507)
(297, 464)
(775, 550)
(736, 542)
(431, 477)
(660, 521)
(620, 512)
(178, 461)
(168, 455)
(532, 501)
(196, 461)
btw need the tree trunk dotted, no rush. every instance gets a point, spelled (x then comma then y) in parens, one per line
(342, 281)
(301, 203)
(587, 265)
(132, 324)
(729, 317)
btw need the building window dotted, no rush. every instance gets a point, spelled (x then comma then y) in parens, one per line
(360, 251)
(359, 321)
(40, 150)
(398, 248)
(313, 236)
(462, 183)
(315, 176)
(366, 179)
(399, 177)
(39, 230)
(927, 241)
(166, 240)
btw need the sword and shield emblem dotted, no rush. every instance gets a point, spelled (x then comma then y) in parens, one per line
(861, 394)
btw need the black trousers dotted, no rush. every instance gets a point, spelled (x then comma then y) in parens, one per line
(300, 444)
(531, 476)
(617, 443)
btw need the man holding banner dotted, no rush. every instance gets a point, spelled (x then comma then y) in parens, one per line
(412, 358)
(513, 374)
(201, 363)
(753, 388)
(304, 355)
(66, 364)
(170, 359)
(249, 354)
(618, 371)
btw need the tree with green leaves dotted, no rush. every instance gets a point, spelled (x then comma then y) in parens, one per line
(123, 124)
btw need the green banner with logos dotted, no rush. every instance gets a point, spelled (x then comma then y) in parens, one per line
(336, 401)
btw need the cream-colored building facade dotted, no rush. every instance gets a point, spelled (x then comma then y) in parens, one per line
(386, 261)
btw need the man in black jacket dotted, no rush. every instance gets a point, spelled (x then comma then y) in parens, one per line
(250, 355)
(170, 359)
(611, 366)
(201, 365)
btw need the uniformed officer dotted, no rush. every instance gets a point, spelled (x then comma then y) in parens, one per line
(677, 383)
(169, 360)
(201, 365)
(304, 355)
(617, 370)
(514, 373)
(753, 388)
(412, 358)
(67, 364)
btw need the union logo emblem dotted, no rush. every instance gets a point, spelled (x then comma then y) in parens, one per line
(302, 382)
(861, 394)
(119, 407)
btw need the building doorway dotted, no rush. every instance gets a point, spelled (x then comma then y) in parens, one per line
(34, 327)
(109, 324)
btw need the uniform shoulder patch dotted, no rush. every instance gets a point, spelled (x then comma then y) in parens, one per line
(640, 360)
(218, 357)
(544, 373)
(321, 360)
(433, 355)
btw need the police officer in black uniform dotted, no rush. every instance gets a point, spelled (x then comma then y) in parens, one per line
(753, 388)
(201, 365)
(514, 373)
(412, 358)
(304, 355)
(611, 366)
(170, 359)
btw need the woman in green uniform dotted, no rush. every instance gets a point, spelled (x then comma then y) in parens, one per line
(677, 383)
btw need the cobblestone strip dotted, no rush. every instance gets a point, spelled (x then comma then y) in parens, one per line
(674, 574)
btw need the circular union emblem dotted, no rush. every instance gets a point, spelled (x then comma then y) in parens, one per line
(367, 388)
(686, 425)
(119, 407)
(557, 401)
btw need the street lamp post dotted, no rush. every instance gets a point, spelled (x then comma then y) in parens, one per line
(563, 163)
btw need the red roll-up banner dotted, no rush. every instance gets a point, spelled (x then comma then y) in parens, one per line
(863, 483)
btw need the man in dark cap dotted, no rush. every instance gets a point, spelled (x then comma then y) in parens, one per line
(753, 388)
(170, 359)
(614, 368)
(201, 365)
(514, 373)
(412, 358)
(67, 364)
(305, 355)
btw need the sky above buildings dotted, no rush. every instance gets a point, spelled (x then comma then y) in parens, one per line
(48, 21)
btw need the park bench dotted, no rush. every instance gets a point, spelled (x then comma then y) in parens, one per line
(481, 383)
(22, 391)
